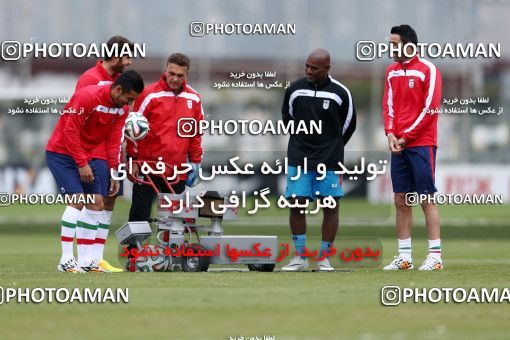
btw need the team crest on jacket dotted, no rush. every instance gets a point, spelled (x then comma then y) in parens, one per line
(411, 83)
(325, 104)
(190, 103)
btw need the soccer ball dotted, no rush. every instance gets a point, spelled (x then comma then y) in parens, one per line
(156, 263)
(136, 127)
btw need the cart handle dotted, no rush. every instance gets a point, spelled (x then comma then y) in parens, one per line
(147, 180)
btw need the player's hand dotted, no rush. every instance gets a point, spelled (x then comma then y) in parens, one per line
(193, 178)
(402, 142)
(114, 187)
(393, 144)
(135, 171)
(86, 174)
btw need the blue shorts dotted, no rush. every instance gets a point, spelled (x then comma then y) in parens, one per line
(102, 166)
(308, 186)
(66, 173)
(413, 170)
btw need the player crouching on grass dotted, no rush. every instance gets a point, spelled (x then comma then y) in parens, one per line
(317, 97)
(94, 114)
(412, 90)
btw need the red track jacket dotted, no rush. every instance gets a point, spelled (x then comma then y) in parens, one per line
(96, 75)
(95, 120)
(163, 110)
(412, 90)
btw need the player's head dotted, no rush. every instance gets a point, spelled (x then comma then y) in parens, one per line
(120, 61)
(126, 88)
(177, 66)
(402, 35)
(317, 66)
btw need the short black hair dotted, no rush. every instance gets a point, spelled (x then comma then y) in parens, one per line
(120, 41)
(178, 59)
(407, 34)
(130, 80)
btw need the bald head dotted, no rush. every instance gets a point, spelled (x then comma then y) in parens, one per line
(320, 55)
(317, 66)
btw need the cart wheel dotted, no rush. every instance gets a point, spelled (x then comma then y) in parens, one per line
(255, 267)
(195, 263)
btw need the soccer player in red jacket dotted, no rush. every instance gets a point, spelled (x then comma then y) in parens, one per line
(105, 72)
(412, 94)
(94, 114)
(164, 103)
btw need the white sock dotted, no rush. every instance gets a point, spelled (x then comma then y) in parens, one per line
(405, 249)
(86, 230)
(435, 248)
(101, 236)
(67, 231)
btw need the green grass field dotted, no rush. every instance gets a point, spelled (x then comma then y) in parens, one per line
(217, 305)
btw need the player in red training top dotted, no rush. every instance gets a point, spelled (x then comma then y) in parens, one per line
(105, 72)
(412, 95)
(94, 114)
(166, 103)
